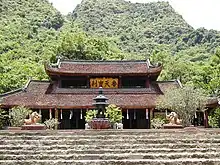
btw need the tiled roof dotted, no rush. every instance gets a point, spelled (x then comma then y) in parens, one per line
(213, 102)
(165, 85)
(38, 95)
(102, 68)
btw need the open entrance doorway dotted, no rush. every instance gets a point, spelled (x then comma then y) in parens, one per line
(136, 119)
(72, 119)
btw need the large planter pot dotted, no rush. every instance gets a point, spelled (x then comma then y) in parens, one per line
(14, 128)
(34, 127)
(100, 123)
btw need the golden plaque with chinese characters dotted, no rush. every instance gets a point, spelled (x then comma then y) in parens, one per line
(104, 82)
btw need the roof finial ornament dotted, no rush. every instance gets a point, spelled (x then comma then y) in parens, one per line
(58, 61)
(100, 91)
(26, 85)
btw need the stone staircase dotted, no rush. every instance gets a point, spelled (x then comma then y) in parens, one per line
(110, 147)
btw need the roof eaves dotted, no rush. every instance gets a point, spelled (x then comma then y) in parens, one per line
(11, 92)
(168, 81)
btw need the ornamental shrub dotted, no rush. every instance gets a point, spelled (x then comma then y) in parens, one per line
(17, 115)
(113, 113)
(90, 115)
(157, 123)
(51, 123)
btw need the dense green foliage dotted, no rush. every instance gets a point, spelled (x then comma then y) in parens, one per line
(32, 32)
(214, 118)
(25, 40)
(137, 28)
(155, 29)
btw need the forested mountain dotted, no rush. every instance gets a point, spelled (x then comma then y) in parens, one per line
(139, 28)
(32, 32)
(27, 33)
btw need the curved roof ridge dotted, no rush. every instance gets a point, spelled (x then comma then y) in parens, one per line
(23, 89)
(103, 61)
(11, 92)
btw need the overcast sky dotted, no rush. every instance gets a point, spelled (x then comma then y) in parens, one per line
(198, 13)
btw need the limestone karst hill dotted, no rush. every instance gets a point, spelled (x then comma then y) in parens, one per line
(141, 27)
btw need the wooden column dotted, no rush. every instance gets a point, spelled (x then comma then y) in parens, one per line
(50, 114)
(88, 82)
(41, 115)
(206, 123)
(147, 84)
(151, 116)
(119, 82)
(56, 117)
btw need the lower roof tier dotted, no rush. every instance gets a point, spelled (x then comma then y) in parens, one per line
(37, 95)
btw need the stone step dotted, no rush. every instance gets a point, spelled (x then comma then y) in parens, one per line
(109, 156)
(107, 141)
(56, 137)
(114, 132)
(193, 161)
(107, 146)
(110, 151)
(155, 136)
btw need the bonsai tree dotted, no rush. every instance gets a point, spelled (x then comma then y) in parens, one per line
(17, 115)
(113, 113)
(184, 101)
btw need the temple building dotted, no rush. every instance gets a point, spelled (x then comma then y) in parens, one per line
(131, 85)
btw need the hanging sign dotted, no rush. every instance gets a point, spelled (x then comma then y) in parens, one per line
(104, 82)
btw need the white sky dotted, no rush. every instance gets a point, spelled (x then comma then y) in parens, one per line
(198, 13)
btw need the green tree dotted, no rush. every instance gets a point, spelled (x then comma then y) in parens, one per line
(184, 101)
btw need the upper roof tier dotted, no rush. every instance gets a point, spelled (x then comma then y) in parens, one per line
(102, 68)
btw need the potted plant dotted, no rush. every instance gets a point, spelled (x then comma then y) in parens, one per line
(90, 114)
(52, 123)
(17, 116)
(114, 114)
